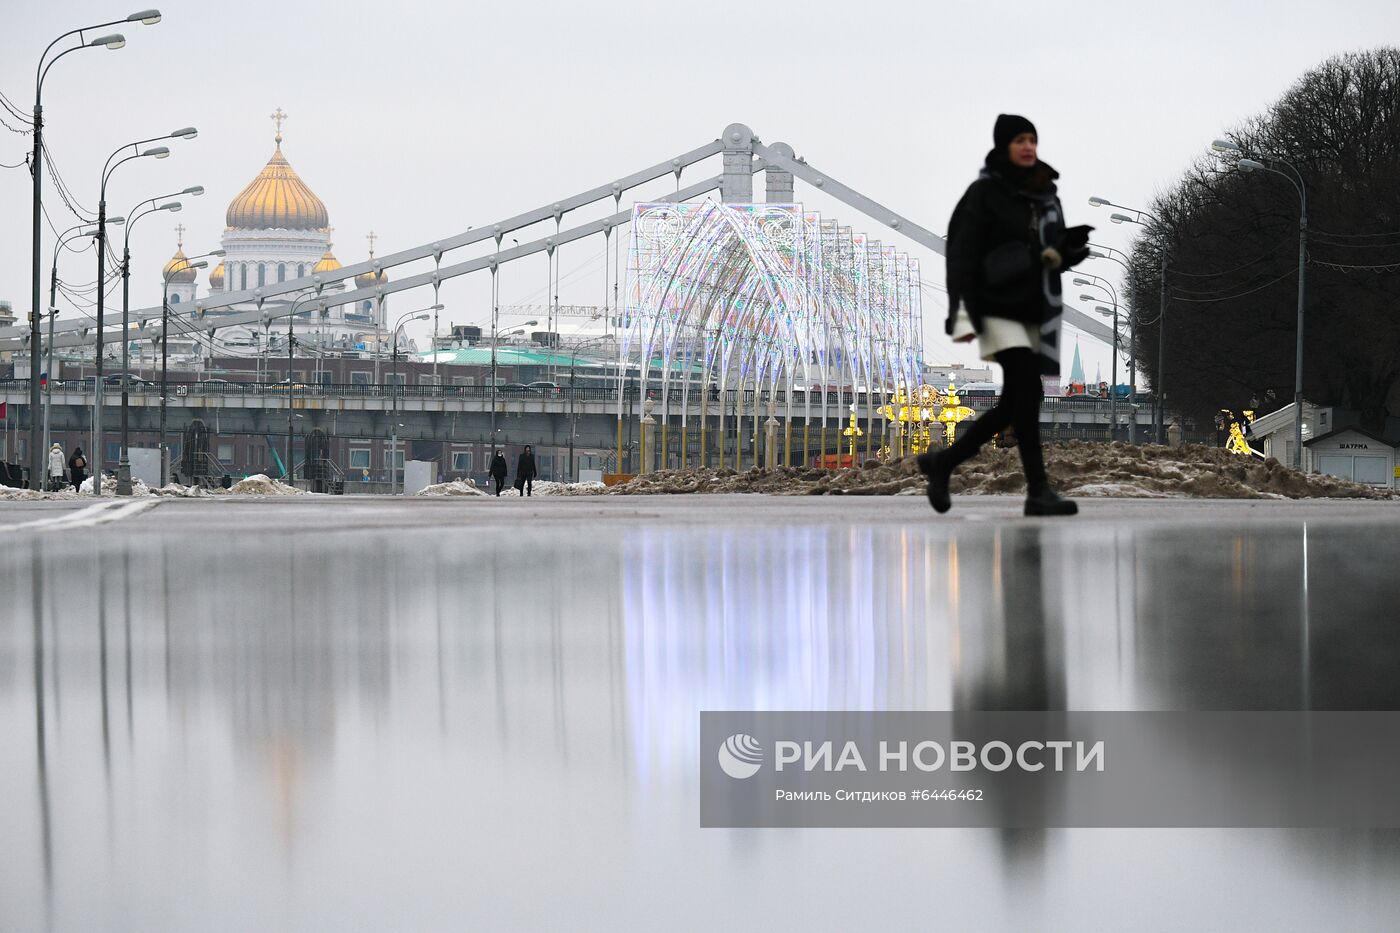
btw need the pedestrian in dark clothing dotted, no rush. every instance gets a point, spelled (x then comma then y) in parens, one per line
(77, 468)
(525, 472)
(498, 470)
(1007, 246)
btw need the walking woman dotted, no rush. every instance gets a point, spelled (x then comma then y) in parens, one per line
(1007, 245)
(498, 471)
(77, 469)
(56, 464)
(525, 472)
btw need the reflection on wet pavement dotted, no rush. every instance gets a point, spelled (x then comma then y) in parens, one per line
(498, 730)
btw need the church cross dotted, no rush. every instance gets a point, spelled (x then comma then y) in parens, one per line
(180, 235)
(278, 117)
(371, 237)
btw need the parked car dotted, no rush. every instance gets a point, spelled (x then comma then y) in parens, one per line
(545, 388)
(515, 388)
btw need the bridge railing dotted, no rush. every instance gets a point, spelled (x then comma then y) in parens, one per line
(836, 402)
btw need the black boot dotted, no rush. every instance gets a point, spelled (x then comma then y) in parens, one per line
(936, 467)
(1048, 502)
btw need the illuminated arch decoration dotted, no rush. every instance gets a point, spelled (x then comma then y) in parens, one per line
(765, 299)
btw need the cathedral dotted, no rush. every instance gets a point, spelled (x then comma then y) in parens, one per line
(276, 230)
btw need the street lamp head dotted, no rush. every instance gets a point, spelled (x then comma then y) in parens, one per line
(420, 317)
(436, 307)
(160, 152)
(1082, 281)
(187, 132)
(1097, 202)
(173, 207)
(195, 190)
(1108, 312)
(1085, 297)
(1097, 254)
(149, 17)
(1225, 146)
(1121, 219)
(1249, 165)
(530, 323)
(215, 252)
(197, 265)
(115, 41)
(116, 221)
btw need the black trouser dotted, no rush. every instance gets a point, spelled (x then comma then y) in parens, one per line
(78, 477)
(1018, 407)
(500, 481)
(527, 486)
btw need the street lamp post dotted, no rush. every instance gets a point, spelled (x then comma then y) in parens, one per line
(1155, 225)
(72, 233)
(419, 315)
(1296, 180)
(1106, 252)
(36, 169)
(124, 463)
(165, 357)
(1093, 281)
(110, 166)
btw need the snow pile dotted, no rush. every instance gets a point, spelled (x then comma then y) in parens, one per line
(458, 487)
(11, 494)
(175, 490)
(1076, 468)
(548, 488)
(109, 487)
(259, 484)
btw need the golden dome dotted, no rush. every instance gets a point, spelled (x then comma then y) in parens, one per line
(277, 200)
(370, 279)
(178, 270)
(328, 262)
(216, 278)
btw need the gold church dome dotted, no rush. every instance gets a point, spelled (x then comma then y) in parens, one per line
(370, 279)
(277, 199)
(178, 270)
(216, 278)
(328, 262)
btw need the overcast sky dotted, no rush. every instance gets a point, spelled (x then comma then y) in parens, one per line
(418, 119)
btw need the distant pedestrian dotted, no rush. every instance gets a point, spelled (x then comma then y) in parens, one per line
(498, 470)
(56, 465)
(77, 468)
(1007, 246)
(525, 472)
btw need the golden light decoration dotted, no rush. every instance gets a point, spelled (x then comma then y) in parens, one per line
(953, 412)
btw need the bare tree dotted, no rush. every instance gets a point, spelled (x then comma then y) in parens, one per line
(1231, 241)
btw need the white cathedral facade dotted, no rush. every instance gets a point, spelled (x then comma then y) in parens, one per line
(276, 230)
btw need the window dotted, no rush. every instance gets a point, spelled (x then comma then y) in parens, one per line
(464, 380)
(281, 272)
(325, 378)
(360, 379)
(262, 275)
(243, 273)
(367, 306)
(430, 380)
(394, 379)
(461, 461)
(359, 459)
(114, 451)
(174, 299)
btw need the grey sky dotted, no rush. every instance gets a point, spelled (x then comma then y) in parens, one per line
(419, 119)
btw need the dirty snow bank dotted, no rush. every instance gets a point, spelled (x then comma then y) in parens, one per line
(1076, 468)
(457, 487)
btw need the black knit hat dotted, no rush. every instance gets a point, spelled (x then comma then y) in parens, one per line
(1008, 127)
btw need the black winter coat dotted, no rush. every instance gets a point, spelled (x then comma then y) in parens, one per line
(525, 466)
(995, 239)
(498, 467)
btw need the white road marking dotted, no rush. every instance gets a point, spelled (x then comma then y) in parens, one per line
(99, 513)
